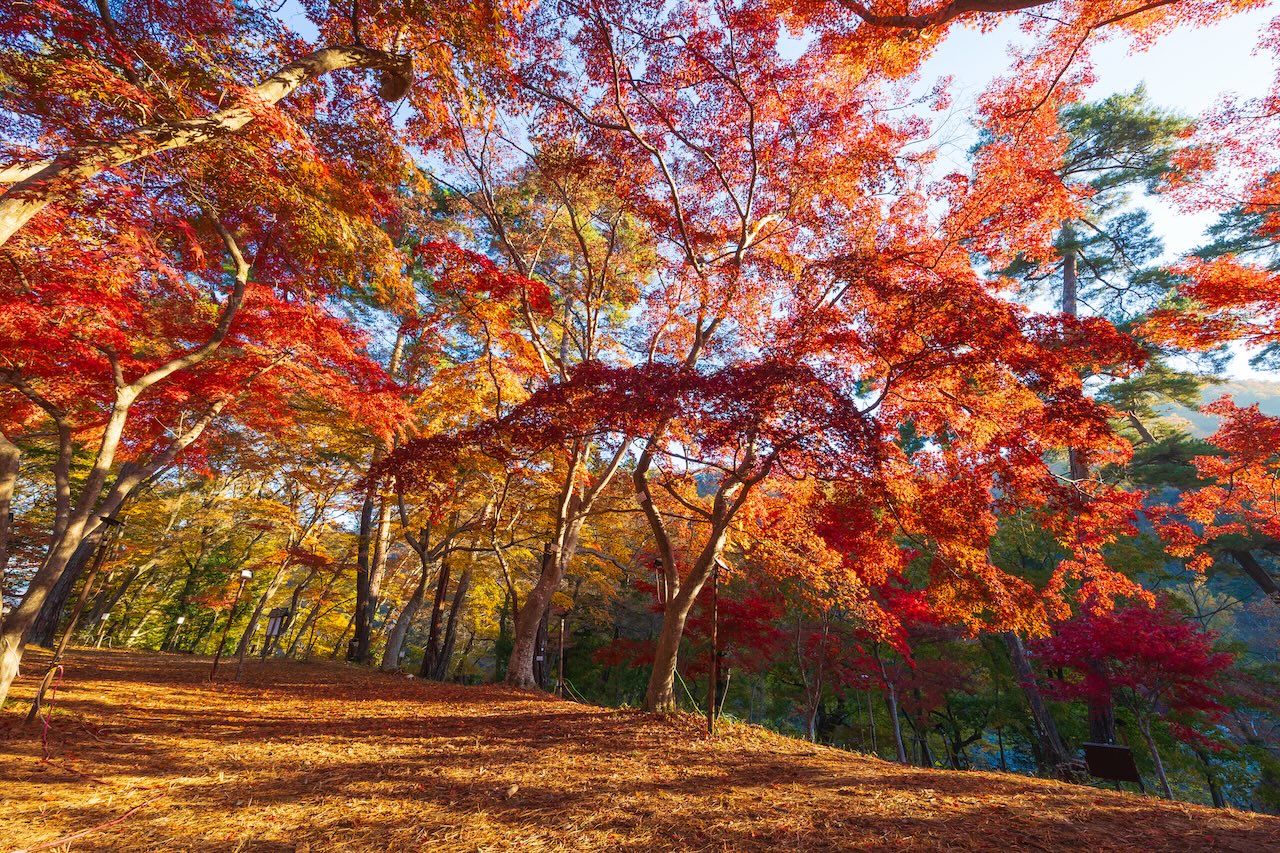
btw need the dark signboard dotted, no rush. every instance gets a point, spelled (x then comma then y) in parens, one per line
(1108, 761)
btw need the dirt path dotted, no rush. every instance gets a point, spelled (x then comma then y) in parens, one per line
(310, 757)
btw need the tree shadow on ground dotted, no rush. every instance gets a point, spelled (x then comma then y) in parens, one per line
(333, 757)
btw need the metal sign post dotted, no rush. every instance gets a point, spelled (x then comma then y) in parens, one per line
(560, 676)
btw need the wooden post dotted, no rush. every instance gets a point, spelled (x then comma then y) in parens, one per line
(560, 677)
(714, 671)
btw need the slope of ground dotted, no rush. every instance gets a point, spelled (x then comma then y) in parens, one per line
(307, 757)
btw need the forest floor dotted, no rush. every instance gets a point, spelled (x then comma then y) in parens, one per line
(311, 757)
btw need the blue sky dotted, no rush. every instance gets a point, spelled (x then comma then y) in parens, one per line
(1187, 71)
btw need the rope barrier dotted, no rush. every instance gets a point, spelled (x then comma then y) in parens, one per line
(574, 692)
(69, 838)
(48, 717)
(692, 701)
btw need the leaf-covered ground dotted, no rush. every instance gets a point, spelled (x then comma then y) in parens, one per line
(309, 757)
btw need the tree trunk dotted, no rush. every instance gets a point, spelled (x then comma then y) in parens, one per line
(921, 728)
(1102, 716)
(395, 640)
(142, 623)
(1256, 573)
(530, 617)
(813, 689)
(431, 653)
(1140, 428)
(660, 694)
(17, 629)
(246, 637)
(337, 647)
(574, 504)
(377, 571)
(1052, 748)
(312, 614)
(1215, 792)
(1070, 282)
(462, 656)
(40, 183)
(361, 617)
(188, 587)
(504, 638)
(1144, 725)
(109, 597)
(891, 702)
(541, 666)
(451, 626)
(45, 629)
(194, 643)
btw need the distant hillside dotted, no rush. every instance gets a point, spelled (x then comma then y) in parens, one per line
(1245, 392)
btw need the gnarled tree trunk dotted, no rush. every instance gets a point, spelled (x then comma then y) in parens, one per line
(1052, 747)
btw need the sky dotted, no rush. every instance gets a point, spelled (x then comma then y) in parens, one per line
(1187, 72)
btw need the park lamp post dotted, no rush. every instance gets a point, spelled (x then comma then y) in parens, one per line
(102, 628)
(245, 575)
(177, 629)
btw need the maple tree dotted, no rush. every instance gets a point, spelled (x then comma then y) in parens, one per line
(1154, 660)
(477, 329)
(131, 55)
(1227, 295)
(552, 214)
